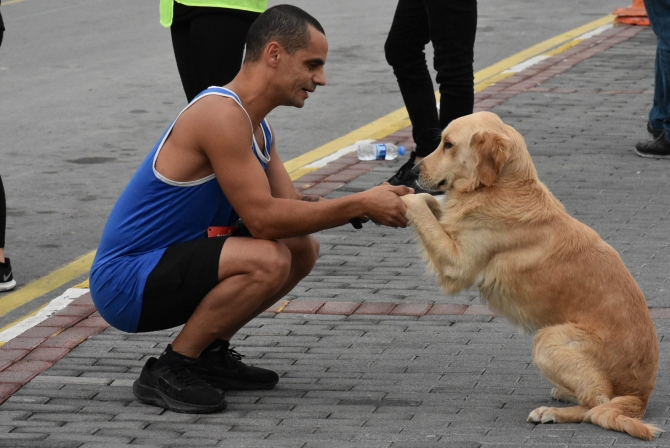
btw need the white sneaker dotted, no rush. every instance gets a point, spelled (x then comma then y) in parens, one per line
(7, 281)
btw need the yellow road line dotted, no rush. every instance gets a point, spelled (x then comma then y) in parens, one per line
(296, 167)
(12, 1)
(549, 44)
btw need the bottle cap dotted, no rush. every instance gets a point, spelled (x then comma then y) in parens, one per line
(401, 150)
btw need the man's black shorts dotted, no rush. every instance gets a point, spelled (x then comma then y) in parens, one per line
(184, 275)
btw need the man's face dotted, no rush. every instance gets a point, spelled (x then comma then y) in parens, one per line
(303, 70)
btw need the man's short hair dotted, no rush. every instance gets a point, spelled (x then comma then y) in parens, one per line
(287, 25)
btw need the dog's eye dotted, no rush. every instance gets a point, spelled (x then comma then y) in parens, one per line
(447, 145)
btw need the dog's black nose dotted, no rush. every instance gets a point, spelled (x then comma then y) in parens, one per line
(417, 169)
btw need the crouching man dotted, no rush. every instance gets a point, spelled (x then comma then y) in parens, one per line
(155, 267)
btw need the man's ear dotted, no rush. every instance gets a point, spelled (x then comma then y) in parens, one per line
(492, 151)
(272, 53)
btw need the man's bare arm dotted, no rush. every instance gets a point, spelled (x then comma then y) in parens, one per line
(225, 137)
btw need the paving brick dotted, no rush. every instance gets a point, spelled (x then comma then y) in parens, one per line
(71, 337)
(94, 321)
(660, 313)
(478, 310)
(83, 300)
(23, 343)
(17, 376)
(323, 188)
(40, 332)
(303, 306)
(82, 310)
(7, 354)
(344, 176)
(410, 309)
(447, 308)
(47, 354)
(60, 321)
(375, 308)
(339, 308)
(26, 365)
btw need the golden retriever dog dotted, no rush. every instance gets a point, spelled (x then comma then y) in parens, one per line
(502, 230)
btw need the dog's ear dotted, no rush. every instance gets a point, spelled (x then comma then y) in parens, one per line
(492, 151)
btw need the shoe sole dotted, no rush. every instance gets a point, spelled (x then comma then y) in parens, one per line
(651, 156)
(155, 397)
(7, 285)
(236, 385)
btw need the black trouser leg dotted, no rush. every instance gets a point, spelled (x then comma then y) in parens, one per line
(451, 26)
(208, 50)
(3, 213)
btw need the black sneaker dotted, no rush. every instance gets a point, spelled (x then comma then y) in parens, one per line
(654, 133)
(406, 177)
(658, 148)
(7, 281)
(170, 383)
(221, 367)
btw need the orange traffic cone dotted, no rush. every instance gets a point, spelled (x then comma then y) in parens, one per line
(636, 14)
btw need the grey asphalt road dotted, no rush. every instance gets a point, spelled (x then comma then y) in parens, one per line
(87, 86)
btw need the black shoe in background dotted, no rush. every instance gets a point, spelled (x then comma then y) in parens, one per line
(406, 177)
(169, 382)
(658, 148)
(7, 281)
(222, 367)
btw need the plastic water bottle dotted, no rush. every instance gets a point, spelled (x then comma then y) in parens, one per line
(379, 151)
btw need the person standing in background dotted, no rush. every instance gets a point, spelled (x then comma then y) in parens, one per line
(659, 115)
(7, 281)
(451, 26)
(208, 38)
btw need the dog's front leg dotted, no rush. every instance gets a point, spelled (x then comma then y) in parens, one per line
(433, 204)
(441, 249)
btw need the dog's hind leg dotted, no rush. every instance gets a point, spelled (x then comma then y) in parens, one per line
(566, 355)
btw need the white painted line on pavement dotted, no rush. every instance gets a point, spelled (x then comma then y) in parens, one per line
(595, 32)
(528, 63)
(49, 310)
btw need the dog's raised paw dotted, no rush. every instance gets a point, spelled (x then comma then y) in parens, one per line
(543, 414)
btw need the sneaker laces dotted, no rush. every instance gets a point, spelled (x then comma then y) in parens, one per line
(234, 354)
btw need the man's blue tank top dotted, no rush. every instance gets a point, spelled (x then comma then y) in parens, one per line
(152, 214)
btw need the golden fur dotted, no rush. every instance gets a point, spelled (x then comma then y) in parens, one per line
(502, 230)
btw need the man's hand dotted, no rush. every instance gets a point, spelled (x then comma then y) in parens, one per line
(384, 206)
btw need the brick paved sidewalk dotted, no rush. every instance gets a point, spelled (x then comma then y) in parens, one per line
(370, 352)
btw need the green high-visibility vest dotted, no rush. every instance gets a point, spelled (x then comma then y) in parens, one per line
(167, 6)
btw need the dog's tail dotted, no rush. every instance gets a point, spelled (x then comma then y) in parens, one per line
(620, 414)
